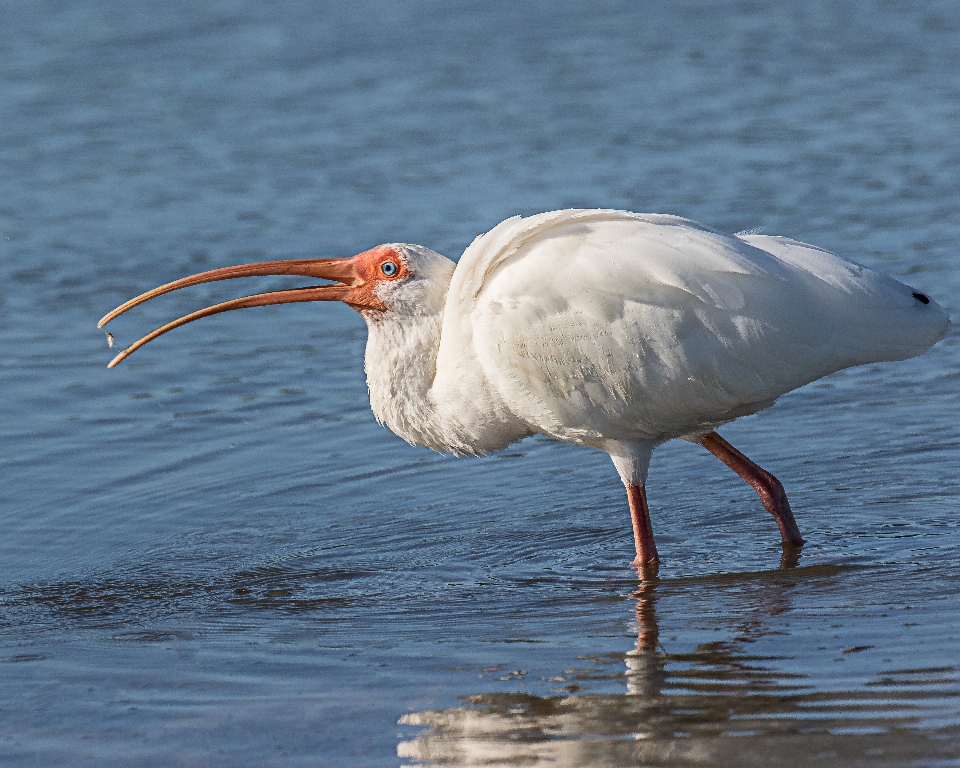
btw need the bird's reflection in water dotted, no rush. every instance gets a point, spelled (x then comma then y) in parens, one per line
(646, 672)
(720, 704)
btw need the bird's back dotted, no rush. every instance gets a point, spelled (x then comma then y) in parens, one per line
(606, 325)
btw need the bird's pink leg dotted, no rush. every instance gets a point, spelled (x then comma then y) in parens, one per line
(647, 557)
(770, 489)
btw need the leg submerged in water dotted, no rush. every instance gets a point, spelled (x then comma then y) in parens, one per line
(632, 461)
(770, 490)
(642, 528)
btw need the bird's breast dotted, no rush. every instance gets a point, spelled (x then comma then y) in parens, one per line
(435, 394)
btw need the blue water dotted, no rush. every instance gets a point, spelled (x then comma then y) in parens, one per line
(212, 555)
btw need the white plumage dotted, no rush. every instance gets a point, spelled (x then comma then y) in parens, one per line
(603, 328)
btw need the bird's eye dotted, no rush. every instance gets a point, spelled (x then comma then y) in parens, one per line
(389, 269)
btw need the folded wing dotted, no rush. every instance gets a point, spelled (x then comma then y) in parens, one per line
(597, 325)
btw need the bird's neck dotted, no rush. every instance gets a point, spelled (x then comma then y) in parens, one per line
(401, 364)
(453, 410)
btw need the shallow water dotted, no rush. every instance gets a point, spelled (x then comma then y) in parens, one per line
(212, 555)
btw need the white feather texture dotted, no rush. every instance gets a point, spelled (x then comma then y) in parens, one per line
(413, 389)
(620, 330)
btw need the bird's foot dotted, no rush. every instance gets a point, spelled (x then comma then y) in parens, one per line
(646, 569)
(790, 558)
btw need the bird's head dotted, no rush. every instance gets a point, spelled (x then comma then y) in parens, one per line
(417, 284)
(390, 280)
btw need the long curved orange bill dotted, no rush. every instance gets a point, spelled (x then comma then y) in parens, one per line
(342, 271)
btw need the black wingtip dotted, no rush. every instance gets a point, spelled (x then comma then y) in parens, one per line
(921, 297)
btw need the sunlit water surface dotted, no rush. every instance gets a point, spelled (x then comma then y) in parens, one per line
(213, 556)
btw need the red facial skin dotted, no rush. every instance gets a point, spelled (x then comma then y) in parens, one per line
(368, 267)
(355, 282)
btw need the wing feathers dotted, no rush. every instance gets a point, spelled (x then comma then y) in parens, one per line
(596, 325)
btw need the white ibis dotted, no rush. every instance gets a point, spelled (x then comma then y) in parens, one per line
(603, 328)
